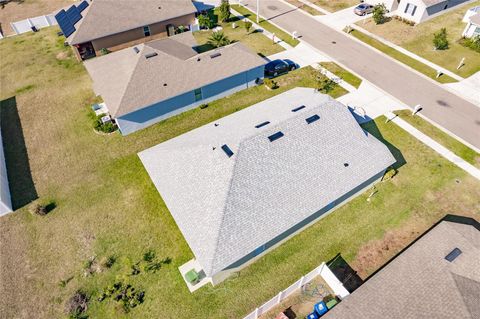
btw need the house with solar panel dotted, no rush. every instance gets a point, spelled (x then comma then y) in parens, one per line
(150, 82)
(240, 186)
(95, 26)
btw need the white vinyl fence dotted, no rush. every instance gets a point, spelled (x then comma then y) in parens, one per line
(322, 271)
(39, 22)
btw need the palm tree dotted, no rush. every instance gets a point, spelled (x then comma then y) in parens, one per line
(218, 39)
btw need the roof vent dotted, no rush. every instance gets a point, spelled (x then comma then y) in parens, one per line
(298, 108)
(262, 124)
(136, 50)
(345, 164)
(198, 59)
(151, 55)
(215, 55)
(275, 136)
(164, 84)
(312, 119)
(453, 255)
(227, 150)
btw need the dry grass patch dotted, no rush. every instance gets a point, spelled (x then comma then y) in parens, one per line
(335, 5)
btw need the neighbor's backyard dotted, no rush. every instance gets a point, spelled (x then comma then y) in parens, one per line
(418, 39)
(106, 205)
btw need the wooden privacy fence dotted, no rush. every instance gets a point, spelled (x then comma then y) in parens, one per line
(322, 270)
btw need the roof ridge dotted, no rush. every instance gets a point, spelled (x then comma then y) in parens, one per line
(138, 55)
(455, 277)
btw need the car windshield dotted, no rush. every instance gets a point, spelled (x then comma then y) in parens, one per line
(362, 6)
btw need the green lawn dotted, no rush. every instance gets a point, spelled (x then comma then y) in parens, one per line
(415, 64)
(254, 40)
(335, 5)
(441, 137)
(342, 73)
(107, 204)
(418, 39)
(302, 6)
(266, 25)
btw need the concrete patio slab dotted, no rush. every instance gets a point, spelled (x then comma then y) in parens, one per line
(193, 264)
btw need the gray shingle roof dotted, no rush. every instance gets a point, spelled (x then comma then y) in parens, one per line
(226, 207)
(139, 82)
(107, 17)
(420, 283)
(475, 19)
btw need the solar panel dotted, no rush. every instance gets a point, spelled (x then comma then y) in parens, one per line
(73, 15)
(227, 150)
(312, 119)
(82, 6)
(262, 124)
(275, 136)
(64, 23)
(298, 108)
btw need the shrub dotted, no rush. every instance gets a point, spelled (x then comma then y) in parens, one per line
(109, 261)
(104, 51)
(77, 305)
(149, 256)
(440, 41)
(125, 294)
(38, 209)
(134, 269)
(379, 11)
(472, 43)
(205, 21)
(224, 11)
(152, 267)
(247, 25)
(269, 83)
(108, 127)
(218, 39)
(389, 174)
(326, 85)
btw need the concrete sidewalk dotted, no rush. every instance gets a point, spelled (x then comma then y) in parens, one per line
(302, 54)
(449, 155)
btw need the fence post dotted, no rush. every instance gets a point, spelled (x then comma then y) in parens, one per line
(30, 22)
(302, 280)
(46, 20)
(256, 313)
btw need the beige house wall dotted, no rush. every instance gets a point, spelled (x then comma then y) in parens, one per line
(132, 37)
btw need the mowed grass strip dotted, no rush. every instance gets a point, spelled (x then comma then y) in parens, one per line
(405, 59)
(335, 5)
(441, 137)
(305, 7)
(342, 73)
(284, 36)
(107, 204)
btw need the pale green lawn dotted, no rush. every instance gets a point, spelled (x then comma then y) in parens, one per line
(418, 39)
(335, 5)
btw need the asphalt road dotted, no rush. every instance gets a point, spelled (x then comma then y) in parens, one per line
(455, 114)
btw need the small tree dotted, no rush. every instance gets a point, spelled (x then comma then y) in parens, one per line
(218, 39)
(248, 25)
(440, 41)
(379, 11)
(224, 9)
(205, 22)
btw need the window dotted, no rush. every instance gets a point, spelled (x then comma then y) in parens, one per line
(198, 94)
(275, 136)
(410, 9)
(312, 119)
(146, 31)
(476, 31)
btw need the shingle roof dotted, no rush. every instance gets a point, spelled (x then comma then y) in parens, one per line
(140, 82)
(420, 283)
(226, 207)
(475, 19)
(107, 17)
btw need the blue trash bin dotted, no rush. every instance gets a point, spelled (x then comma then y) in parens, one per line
(312, 315)
(320, 308)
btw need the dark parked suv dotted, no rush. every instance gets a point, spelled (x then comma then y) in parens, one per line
(276, 67)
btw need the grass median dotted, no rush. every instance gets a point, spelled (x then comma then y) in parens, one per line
(342, 73)
(405, 59)
(284, 36)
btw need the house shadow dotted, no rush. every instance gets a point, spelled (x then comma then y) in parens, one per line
(345, 273)
(372, 128)
(22, 188)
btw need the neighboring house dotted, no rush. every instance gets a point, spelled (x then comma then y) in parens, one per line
(243, 184)
(438, 276)
(419, 10)
(114, 25)
(472, 18)
(5, 200)
(153, 81)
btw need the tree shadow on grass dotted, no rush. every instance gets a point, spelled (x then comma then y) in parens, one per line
(372, 128)
(22, 188)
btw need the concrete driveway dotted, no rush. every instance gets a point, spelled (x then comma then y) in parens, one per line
(340, 19)
(302, 54)
(453, 113)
